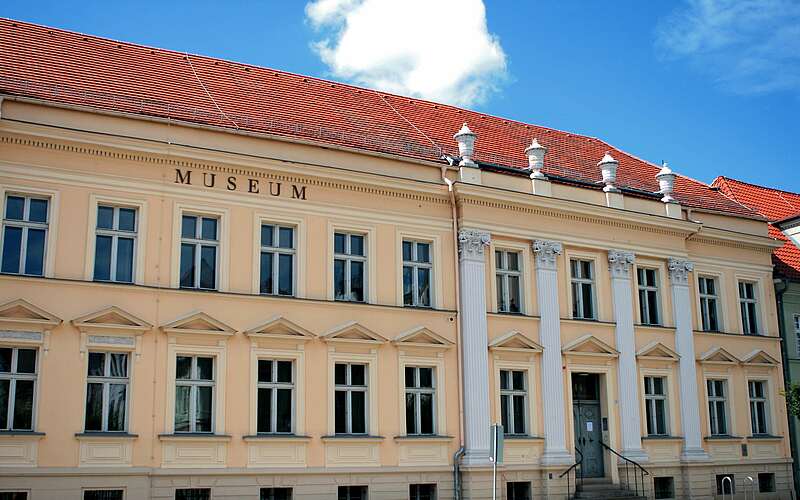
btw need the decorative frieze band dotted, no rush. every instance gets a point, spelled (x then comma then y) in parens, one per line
(112, 340)
(471, 243)
(17, 335)
(620, 262)
(679, 270)
(546, 252)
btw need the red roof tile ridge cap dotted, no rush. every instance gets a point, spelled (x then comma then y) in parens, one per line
(759, 186)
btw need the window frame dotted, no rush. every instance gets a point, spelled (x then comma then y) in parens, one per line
(364, 489)
(106, 380)
(649, 288)
(417, 392)
(373, 380)
(415, 267)
(87, 490)
(348, 259)
(12, 376)
(197, 242)
(273, 387)
(210, 491)
(513, 485)
(501, 270)
(703, 302)
(348, 388)
(650, 401)
(115, 234)
(578, 299)
(270, 492)
(764, 401)
(26, 225)
(277, 251)
(223, 243)
(418, 495)
(510, 393)
(745, 301)
(140, 244)
(717, 400)
(193, 384)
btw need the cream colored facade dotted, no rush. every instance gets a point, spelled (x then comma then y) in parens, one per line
(79, 160)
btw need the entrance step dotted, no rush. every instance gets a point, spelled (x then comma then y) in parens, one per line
(604, 489)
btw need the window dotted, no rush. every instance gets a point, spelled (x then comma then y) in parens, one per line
(725, 484)
(13, 495)
(277, 260)
(582, 289)
(115, 244)
(717, 407)
(655, 400)
(748, 306)
(193, 494)
(276, 494)
(17, 388)
(709, 299)
(648, 296)
(508, 281)
(518, 490)
(513, 401)
(422, 492)
(350, 398)
(664, 487)
(766, 482)
(417, 269)
(106, 392)
(352, 493)
(24, 234)
(349, 265)
(420, 400)
(797, 332)
(199, 247)
(103, 495)
(275, 396)
(194, 394)
(759, 414)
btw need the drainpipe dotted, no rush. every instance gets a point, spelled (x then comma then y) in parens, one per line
(460, 453)
(781, 285)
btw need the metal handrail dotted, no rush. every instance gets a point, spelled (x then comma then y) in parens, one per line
(638, 475)
(575, 467)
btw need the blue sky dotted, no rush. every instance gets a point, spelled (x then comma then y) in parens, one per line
(712, 86)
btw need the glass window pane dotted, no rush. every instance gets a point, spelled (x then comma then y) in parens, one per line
(504, 379)
(356, 244)
(586, 269)
(189, 226)
(97, 364)
(15, 207)
(208, 267)
(105, 217)
(410, 376)
(264, 370)
(357, 281)
(358, 375)
(286, 237)
(504, 413)
(407, 251)
(205, 368)
(127, 219)
(38, 210)
(339, 280)
(588, 307)
(424, 284)
(519, 414)
(125, 260)
(267, 232)
(187, 265)
(411, 413)
(100, 495)
(94, 407)
(119, 365)
(182, 398)
(339, 242)
(423, 252)
(501, 304)
(4, 389)
(5, 359)
(426, 377)
(513, 294)
(34, 253)
(116, 407)
(26, 361)
(102, 258)
(340, 401)
(266, 273)
(340, 374)
(426, 413)
(519, 380)
(661, 420)
(408, 285)
(359, 409)
(183, 367)
(285, 271)
(12, 248)
(23, 405)
(209, 230)
(512, 260)
(498, 259)
(264, 410)
(285, 371)
(204, 405)
(284, 410)
(193, 494)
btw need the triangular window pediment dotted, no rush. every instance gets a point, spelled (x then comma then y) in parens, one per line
(23, 312)
(591, 346)
(718, 355)
(353, 332)
(422, 337)
(515, 341)
(759, 357)
(201, 323)
(657, 350)
(111, 317)
(280, 327)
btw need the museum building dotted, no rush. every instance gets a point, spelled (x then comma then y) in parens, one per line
(225, 281)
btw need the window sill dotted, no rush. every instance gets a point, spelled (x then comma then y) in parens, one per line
(352, 437)
(662, 438)
(105, 435)
(276, 437)
(522, 437)
(194, 436)
(764, 437)
(590, 321)
(424, 437)
(723, 437)
(32, 434)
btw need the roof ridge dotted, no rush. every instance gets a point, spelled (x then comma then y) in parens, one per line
(760, 186)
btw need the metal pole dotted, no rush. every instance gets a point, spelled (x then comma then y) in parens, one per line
(494, 463)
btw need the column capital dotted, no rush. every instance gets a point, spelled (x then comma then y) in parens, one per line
(545, 252)
(619, 263)
(679, 270)
(471, 243)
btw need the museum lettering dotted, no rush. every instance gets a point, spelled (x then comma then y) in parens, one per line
(234, 183)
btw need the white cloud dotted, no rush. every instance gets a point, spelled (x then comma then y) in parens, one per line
(748, 46)
(435, 49)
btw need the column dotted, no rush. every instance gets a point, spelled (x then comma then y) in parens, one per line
(555, 437)
(619, 265)
(679, 270)
(474, 345)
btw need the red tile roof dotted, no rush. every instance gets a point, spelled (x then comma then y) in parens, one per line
(72, 68)
(775, 205)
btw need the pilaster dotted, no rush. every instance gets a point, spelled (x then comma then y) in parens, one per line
(474, 344)
(679, 270)
(555, 441)
(619, 264)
